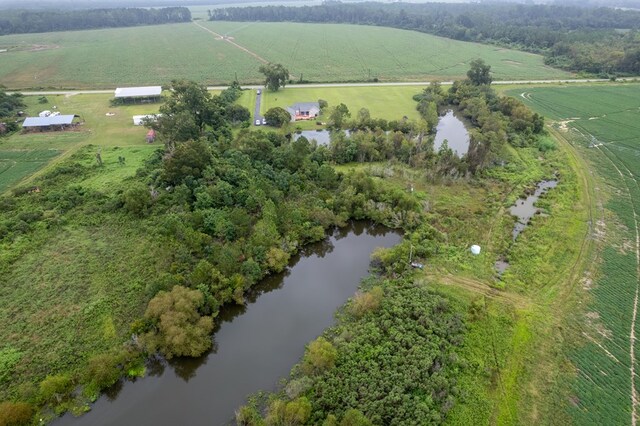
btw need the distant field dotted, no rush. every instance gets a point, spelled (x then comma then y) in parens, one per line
(605, 121)
(15, 165)
(317, 52)
(123, 56)
(337, 52)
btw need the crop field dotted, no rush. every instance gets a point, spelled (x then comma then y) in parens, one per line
(604, 122)
(319, 52)
(123, 56)
(337, 52)
(15, 165)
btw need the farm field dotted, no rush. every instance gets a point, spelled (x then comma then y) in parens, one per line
(15, 165)
(158, 54)
(336, 52)
(608, 135)
(124, 56)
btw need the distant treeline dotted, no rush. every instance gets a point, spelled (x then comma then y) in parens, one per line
(595, 40)
(19, 22)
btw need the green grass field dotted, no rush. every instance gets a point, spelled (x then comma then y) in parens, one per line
(388, 102)
(604, 122)
(318, 52)
(336, 52)
(15, 165)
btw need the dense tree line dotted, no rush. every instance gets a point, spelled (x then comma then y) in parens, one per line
(10, 106)
(23, 21)
(595, 40)
(390, 360)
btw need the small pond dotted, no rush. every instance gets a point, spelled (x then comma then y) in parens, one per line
(453, 130)
(254, 345)
(322, 136)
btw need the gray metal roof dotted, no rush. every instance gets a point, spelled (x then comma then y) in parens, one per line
(305, 106)
(56, 120)
(138, 92)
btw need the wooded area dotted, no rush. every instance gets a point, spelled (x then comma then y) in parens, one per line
(594, 40)
(19, 22)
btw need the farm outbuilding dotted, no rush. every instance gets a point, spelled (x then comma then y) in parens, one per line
(304, 111)
(53, 122)
(138, 94)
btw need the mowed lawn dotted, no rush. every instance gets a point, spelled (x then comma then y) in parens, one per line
(317, 52)
(339, 52)
(388, 102)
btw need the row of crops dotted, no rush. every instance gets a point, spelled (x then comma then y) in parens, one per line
(609, 132)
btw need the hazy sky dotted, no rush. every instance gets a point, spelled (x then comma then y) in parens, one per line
(67, 4)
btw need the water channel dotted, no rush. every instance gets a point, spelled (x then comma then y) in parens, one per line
(524, 209)
(254, 345)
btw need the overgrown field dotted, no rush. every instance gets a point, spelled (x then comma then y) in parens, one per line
(604, 123)
(316, 52)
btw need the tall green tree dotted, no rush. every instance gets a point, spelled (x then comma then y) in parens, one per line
(338, 116)
(277, 117)
(276, 76)
(479, 73)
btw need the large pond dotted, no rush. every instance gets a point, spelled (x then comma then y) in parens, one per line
(254, 345)
(452, 129)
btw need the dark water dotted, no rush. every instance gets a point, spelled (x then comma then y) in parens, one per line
(524, 209)
(322, 136)
(453, 130)
(254, 346)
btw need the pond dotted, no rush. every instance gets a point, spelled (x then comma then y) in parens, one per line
(254, 345)
(322, 136)
(453, 130)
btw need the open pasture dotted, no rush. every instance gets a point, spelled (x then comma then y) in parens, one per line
(317, 52)
(605, 122)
